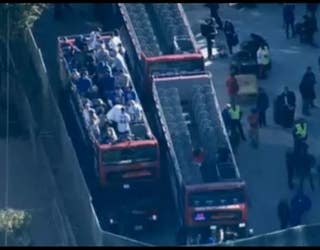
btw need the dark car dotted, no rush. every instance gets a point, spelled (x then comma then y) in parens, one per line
(252, 45)
(243, 63)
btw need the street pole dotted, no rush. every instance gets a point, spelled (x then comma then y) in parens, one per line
(7, 119)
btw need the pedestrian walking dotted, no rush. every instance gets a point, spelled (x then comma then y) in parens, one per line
(300, 134)
(235, 115)
(307, 91)
(283, 210)
(305, 162)
(287, 106)
(262, 104)
(263, 60)
(309, 27)
(226, 117)
(290, 166)
(289, 19)
(300, 204)
(232, 87)
(231, 36)
(253, 120)
(214, 13)
(209, 31)
(312, 8)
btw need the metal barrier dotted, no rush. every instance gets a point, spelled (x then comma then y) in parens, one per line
(64, 163)
(307, 235)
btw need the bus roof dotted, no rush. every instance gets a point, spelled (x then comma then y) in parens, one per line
(191, 118)
(158, 29)
(140, 130)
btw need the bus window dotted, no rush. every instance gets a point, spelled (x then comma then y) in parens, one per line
(129, 155)
(216, 198)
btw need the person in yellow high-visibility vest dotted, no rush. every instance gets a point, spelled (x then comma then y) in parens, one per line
(235, 118)
(300, 133)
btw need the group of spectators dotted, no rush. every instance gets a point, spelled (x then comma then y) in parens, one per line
(100, 76)
(306, 28)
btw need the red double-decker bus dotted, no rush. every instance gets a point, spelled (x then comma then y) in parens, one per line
(124, 167)
(164, 58)
(159, 38)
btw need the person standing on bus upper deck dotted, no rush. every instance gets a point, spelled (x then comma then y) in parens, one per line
(102, 54)
(118, 62)
(115, 41)
(94, 123)
(106, 84)
(93, 41)
(135, 111)
(122, 79)
(110, 136)
(84, 83)
(116, 97)
(123, 123)
(129, 94)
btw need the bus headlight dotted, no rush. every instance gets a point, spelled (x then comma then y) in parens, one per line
(242, 225)
(154, 217)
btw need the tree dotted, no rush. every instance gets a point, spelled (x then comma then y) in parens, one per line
(21, 16)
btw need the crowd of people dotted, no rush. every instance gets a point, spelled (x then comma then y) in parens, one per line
(300, 163)
(304, 29)
(101, 78)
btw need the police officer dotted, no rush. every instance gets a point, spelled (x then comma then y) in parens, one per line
(300, 133)
(235, 115)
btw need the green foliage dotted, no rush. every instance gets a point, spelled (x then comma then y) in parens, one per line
(12, 220)
(21, 16)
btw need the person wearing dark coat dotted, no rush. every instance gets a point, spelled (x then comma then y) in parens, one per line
(283, 213)
(290, 165)
(262, 104)
(230, 34)
(309, 27)
(289, 19)
(307, 91)
(304, 162)
(214, 12)
(312, 8)
(287, 106)
(208, 30)
(300, 203)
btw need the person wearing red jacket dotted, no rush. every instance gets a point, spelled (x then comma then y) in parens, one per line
(233, 88)
(253, 120)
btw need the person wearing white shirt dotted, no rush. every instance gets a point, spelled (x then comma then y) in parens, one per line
(118, 62)
(93, 42)
(263, 59)
(135, 111)
(115, 41)
(123, 123)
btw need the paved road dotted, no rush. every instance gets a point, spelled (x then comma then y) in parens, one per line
(264, 169)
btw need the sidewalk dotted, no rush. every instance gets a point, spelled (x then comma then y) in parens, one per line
(29, 188)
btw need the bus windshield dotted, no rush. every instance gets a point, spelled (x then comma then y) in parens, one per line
(175, 66)
(216, 198)
(129, 155)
